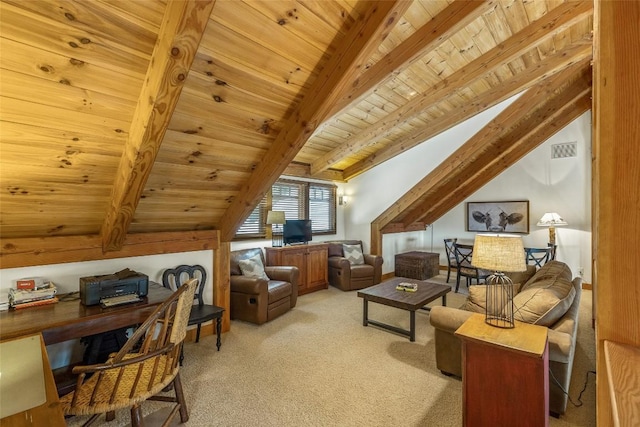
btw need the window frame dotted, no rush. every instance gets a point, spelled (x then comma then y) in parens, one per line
(299, 194)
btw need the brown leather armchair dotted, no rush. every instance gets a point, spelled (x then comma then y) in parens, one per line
(258, 300)
(349, 277)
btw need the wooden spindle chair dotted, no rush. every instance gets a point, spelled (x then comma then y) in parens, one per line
(144, 366)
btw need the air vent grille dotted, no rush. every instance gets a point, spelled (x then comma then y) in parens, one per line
(566, 149)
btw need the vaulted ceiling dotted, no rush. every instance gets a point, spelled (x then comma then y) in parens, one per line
(123, 117)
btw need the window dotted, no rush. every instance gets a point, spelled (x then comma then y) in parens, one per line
(322, 208)
(299, 200)
(254, 226)
(290, 197)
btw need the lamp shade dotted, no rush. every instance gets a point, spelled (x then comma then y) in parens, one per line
(498, 253)
(275, 217)
(551, 219)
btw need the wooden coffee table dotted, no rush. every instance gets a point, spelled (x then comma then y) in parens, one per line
(385, 293)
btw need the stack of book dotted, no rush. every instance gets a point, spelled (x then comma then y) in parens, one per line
(407, 287)
(4, 302)
(22, 298)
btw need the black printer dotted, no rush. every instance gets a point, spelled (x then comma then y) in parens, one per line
(94, 289)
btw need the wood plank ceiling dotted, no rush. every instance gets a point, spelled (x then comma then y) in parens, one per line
(120, 117)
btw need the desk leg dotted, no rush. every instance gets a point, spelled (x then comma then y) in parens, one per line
(444, 300)
(218, 332)
(365, 312)
(412, 325)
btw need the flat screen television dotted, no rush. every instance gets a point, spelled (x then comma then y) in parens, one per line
(296, 231)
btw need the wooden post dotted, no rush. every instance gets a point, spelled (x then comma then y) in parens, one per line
(616, 187)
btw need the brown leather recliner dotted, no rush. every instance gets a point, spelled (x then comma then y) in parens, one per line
(257, 300)
(349, 277)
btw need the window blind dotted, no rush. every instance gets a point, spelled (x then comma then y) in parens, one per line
(298, 200)
(254, 226)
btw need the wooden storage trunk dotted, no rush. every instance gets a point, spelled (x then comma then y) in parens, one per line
(417, 265)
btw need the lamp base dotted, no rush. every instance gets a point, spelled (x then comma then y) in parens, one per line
(499, 305)
(552, 235)
(276, 241)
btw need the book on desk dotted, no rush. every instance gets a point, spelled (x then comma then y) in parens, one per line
(23, 298)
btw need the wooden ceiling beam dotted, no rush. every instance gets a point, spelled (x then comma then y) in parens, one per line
(450, 169)
(359, 43)
(303, 170)
(182, 27)
(491, 150)
(498, 150)
(522, 81)
(35, 251)
(541, 30)
(548, 128)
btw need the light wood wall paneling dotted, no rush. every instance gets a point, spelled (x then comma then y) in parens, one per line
(490, 98)
(29, 252)
(524, 40)
(57, 68)
(334, 77)
(233, 77)
(36, 30)
(62, 96)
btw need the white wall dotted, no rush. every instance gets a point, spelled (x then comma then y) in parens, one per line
(558, 185)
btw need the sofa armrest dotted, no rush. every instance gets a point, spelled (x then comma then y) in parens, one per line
(375, 260)
(339, 262)
(560, 346)
(448, 318)
(289, 274)
(248, 285)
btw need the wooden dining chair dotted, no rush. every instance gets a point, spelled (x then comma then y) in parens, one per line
(451, 257)
(537, 256)
(146, 365)
(172, 278)
(464, 258)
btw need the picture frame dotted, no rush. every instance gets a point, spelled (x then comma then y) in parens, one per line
(498, 217)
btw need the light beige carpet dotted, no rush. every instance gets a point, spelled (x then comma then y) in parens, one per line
(318, 366)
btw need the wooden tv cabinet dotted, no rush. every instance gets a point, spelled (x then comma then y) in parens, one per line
(311, 260)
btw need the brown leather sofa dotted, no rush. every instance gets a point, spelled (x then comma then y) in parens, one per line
(349, 277)
(258, 300)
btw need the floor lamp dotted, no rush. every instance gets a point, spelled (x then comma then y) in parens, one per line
(276, 219)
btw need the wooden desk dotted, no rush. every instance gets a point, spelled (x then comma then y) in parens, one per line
(505, 374)
(47, 414)
(69, 319)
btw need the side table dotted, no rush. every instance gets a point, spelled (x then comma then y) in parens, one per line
(505, 374)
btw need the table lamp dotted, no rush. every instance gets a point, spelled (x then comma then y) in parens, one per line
(551, 220)
(500, 254)
(276, 219)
